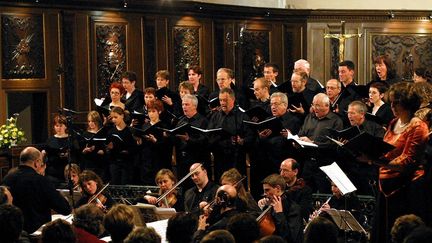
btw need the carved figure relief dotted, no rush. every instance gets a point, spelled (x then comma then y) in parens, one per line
(22, 47)
(186, 50)
(255, 53)
(111, 55)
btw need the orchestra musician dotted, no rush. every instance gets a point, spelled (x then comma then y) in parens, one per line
(72, 173)
(165, 179)
(283, 212)
(92, 184)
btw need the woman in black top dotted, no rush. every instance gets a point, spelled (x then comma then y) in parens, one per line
(92, 184)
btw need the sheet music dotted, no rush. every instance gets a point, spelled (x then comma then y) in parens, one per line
(335, 173)
(160, 227)
(98, 102)
(302, 143)
(67, 218)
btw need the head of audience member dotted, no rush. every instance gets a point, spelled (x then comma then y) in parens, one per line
(154, 109)
(32, 157)
(278, 104)
(89, 217)
(403, 226)
(11, 223)
(224, 78)
(273, 185)
(422, 75)
(189, 105)
(165, 179)
(244, 228)
(356, 113)
(271, 71)
(272, 239)
(424, 90)
(149, 95)
(298, 81)
(90, 182)
(116, 92)
(226, 100)
(162, 78)
(128, 80)
(181, 228)
(384, 68)
(321, 105)
(226, 197)
(194, 75)
(58, 231)
(289, 169)
(377, 92)
(218, 236)
(403, 99)
(420, 234)
(333, 89)
(346, 72)
(199, 177)
(185, 88)
(143, 235)
(94, 121)
(261, 88)
(335, 190)
(118, 116)
(321, 229)
(302, 65)
(60, 126)
(72, 172)
(119, 222)
(5, 195)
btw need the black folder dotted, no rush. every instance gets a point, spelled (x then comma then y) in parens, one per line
(345, 134)
(373, 147)
(139, 115)
(285, 87)
(257, 114)
(160, 93)
(180, 129)
(146, 130)
(212, 130)
(103, 110)
(374, 118)
(272, 123)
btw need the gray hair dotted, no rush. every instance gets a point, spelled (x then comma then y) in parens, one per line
(361, 107)
(321, 97)
(283, 97)
(303, 63)
(192, 98)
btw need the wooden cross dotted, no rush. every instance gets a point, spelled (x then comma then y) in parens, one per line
(342, 37)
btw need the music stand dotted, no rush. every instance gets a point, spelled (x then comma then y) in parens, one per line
(150, 213)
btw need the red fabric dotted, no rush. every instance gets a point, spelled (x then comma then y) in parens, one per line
(83, 236)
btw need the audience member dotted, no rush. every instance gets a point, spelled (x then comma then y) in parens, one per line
(143, 235)
(403, 226)
(244, 228)
(181, 228)
(218, 236)
(58, 231)
(119, 222)
(87, 224)
(320, 230)
(11, 225)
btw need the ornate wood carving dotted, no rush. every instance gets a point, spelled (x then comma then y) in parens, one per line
(334, 58)
(255, 53)
(110, 54)
(186, 50)
(150, 54)
(406, 50)
(22, 47)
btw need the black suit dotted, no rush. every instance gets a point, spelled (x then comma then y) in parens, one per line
(35, 196)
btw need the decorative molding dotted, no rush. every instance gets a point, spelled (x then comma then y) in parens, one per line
(23, 46)
(186, 50)
(110, 54)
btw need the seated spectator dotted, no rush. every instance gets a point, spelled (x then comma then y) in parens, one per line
(5, 195)
(272, 239)
(321, 230)
(181, 228)
(419, 235)
(88, 223)
(58, 231)
(218, 236)
(11, 224)
(119, 222)
(143, 235)
(244, 228)
(403, 226)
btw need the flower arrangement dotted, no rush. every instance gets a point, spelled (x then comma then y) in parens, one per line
(10, 134)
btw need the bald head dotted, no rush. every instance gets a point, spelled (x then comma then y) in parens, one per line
(29, 155)
(226, 196)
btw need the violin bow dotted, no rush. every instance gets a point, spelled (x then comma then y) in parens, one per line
(97, 194)
(177, 184)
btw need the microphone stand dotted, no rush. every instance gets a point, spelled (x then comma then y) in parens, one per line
(69, 122)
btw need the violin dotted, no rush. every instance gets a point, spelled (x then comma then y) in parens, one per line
(99, 199)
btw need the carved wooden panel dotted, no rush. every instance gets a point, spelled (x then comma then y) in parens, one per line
(110, 54)
(334, 58)
(254, 54)
(186, 50)
(22, 46)
(406, 50)
(150, 54)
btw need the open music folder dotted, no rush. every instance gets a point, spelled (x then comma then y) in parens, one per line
(335, 173)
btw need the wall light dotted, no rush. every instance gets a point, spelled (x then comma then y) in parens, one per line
(391, 15)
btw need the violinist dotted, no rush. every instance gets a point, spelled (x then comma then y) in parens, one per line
(165, 179)
(72, 173)
(284, 213)
(92, 185)
(92, 148)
